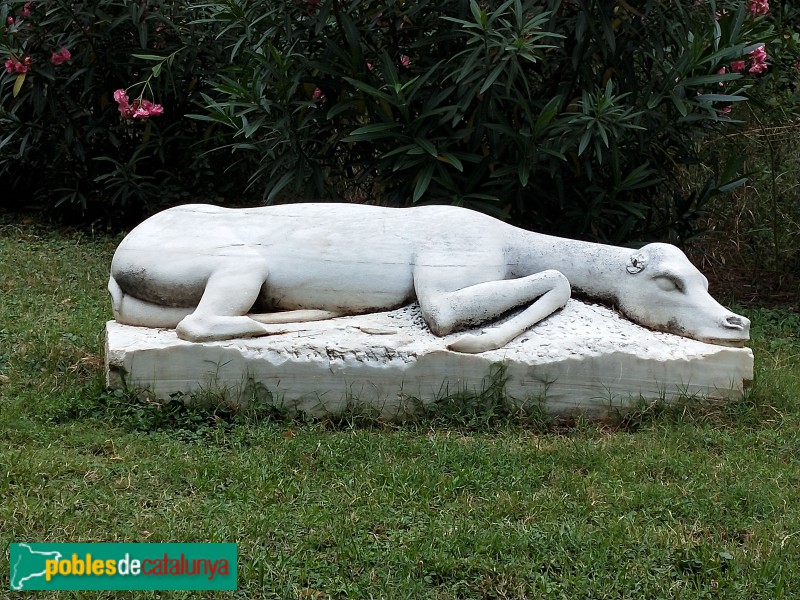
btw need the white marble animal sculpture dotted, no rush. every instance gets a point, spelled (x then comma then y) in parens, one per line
(216, 273)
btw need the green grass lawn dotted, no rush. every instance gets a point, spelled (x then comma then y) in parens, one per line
(687, 502)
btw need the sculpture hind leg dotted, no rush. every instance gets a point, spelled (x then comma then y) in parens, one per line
(447, 311)
(230, 292)
(213, 321)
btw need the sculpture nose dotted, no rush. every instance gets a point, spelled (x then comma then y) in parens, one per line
(736, 322)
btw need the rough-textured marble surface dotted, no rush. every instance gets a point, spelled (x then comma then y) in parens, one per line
(583, 357)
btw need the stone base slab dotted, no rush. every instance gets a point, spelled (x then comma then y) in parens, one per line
(584, 358)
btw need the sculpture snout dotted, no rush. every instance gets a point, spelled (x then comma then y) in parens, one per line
(738, 323)
(727, 329)
(732, 330)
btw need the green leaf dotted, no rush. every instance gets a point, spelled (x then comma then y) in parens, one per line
(18, 84)
(423, 182)
(468, 66)
(450, 159)
(148, 57)
(732, 185)
(737, 24)
(365, 87)
(602, 131)
(524, 173)
(548, 113)
(405, 149)
(708, 79)
(641, 177)
(585, 139)
(351, 34)
(371, 131)
(634, 208)
(250, 128)
(720, 98)
(427, 146)
(279, 185)
(477, 13)
(679, 104)
(492, 77)
(727, 53)
(653, 101)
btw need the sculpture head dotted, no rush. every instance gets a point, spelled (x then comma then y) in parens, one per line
(662, 290)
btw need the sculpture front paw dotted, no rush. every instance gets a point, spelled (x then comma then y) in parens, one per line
(472, 344)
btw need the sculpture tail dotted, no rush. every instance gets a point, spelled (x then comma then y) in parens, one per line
(116, 296)
(132, 311)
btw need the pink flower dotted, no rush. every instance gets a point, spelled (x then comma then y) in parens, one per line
(737, 66)
(140, 109)
(369, 67)
(10, 20)
(405, 61)
(60, 57)
(124, 105)
(722, 71)
(758, 59)
(14, 65)
(759, 54)
(759, 7)
(318, 95)
(26, 9)
(144, 108)
(725, 110)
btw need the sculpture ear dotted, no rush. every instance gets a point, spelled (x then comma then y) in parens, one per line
(636, 263)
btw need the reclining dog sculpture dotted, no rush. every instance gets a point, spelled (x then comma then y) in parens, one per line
(207, 271)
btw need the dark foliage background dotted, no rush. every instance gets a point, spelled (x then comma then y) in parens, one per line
(575, 117)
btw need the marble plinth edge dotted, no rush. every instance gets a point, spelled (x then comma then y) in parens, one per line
(584, 358)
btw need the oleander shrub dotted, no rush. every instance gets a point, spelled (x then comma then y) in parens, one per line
(761, 222)
(776, 97)
(577, 117)
(574, 116)
(66, 143)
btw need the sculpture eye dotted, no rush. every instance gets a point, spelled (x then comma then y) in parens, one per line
(668, 284)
